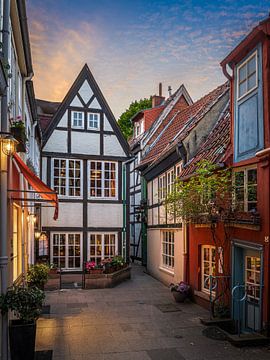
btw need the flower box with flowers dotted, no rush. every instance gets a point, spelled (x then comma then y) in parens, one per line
(17, 129)
(92, 268)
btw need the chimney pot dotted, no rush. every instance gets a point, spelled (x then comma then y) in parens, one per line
(160, 89)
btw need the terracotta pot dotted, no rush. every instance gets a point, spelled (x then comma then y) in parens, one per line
(178, 296)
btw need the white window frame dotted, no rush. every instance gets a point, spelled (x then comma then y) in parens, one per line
(103, 197)
(66, 248)
(170, 180)
(102, 243)
(210, 261)
(67, 178)
(253, 285)
(162, 188)
(254, 54)
(72, 120)
(88, 121)
(178, 170)
(163, 254)
(245, 171)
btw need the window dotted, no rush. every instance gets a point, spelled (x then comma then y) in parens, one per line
(102, 246)
(67, 177)
(170, 181)
(247, 76)
(103, 179)
(93, 121)
(178, 170)
(162, 187)
(208, 266)
(77, 119)
(137, 129)
(245, 187)
(16, 245)
(167, 260)
(66, 250)
(253, 275)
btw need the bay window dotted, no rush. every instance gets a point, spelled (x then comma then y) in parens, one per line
(66, 179)
(103, 179)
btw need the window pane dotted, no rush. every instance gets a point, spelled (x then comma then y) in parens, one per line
(242, 73)
(251, 65)
(251, 81)
(242, 88)
(252, 176)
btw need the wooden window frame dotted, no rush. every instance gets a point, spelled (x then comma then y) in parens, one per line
(102, 256)
(72, 119)
(245, 171)
(254, 54)
(165, 256)
(211, 261)
(103, 197)
(67, 178)
(88, 121)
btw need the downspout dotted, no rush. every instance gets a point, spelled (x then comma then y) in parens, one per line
(3, 186)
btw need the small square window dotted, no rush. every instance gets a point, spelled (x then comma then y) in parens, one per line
(93, 121)
(77, 119)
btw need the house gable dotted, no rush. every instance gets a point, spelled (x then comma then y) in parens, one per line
(85, 98)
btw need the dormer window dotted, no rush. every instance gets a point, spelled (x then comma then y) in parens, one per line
(247, 76)
(77, 119)
(137, 129)
(93, 121)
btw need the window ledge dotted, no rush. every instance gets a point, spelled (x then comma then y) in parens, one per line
(167, 271)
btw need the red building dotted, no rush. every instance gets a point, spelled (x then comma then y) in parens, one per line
(245, 253)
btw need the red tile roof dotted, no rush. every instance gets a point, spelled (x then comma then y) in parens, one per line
(150, 116)
(181, 122)
(214, 148)
(46, 110)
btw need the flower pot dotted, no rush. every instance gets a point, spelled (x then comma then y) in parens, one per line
(22, 339)
(178, 296)
(96, 271)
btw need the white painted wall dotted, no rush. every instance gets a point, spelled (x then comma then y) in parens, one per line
(112, 146)
(76, 102)
(154, 256)
(57, 142)
(95, 104)
(85, 143)
(44, 169)
(64, 120)
(70, 214)
(107, 125)
(85, 91)
(105, 215)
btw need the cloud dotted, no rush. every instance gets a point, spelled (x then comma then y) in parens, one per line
(59, 52)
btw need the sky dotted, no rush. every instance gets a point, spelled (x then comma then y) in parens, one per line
(132, 45)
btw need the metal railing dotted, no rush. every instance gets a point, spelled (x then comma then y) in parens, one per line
(219, 287)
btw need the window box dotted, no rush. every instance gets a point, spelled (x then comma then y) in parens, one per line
(18, 132)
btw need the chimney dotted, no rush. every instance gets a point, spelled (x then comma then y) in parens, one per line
(170, 90)
(158, 99)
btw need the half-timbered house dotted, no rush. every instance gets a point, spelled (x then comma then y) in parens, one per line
(83, 160)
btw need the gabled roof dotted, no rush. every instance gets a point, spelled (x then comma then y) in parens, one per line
(169, 110)
(180, 124)
(249, 41)
(85, 74)
(215, 147)
(46, 110)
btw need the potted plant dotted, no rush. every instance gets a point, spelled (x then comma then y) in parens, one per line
(17, 129)
(180, 291)
(38, 275)
(26, 303)
(53, 269)
(114, 264)
(92, 268)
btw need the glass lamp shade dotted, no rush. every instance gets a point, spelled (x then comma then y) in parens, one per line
(9, 145)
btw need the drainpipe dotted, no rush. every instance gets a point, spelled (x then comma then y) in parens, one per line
(23, 232)
(3, 186)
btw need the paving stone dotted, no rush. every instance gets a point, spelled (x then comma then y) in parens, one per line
(165, 354)
(126, 323)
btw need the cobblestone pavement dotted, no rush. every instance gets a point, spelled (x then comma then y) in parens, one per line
(129, 323)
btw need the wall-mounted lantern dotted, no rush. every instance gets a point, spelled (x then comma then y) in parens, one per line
(8, 145)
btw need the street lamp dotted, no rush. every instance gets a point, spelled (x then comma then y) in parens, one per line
(8, 144)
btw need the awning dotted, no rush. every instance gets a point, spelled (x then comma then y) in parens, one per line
(43, 190)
